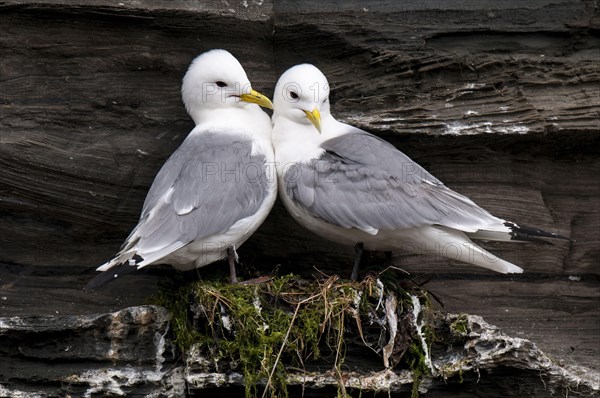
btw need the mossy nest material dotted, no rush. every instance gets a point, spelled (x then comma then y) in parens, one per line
(262, 330)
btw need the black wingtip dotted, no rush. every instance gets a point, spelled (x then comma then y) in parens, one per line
(522, 232)
(113, 273)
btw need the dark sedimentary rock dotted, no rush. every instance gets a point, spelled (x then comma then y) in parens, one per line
(500, 101)
(130, 353)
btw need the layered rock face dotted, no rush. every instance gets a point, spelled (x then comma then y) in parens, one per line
(498, 101)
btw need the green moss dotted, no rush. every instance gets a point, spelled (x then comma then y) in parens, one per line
(257, 328)
(417, 365)
(459, 328)
(176, 300)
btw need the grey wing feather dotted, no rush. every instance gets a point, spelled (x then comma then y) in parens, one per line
(208, 184)
(364, 182)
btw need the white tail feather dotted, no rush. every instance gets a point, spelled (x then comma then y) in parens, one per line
(456, 245)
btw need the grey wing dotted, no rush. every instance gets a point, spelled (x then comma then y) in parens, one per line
(364, 182)
(208, 184)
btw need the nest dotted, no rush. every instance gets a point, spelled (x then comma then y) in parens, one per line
(266, 330)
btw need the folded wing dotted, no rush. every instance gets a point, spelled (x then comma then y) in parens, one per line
(211, 182)
(364, 182)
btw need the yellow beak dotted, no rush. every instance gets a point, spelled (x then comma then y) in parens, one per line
(257, 98)
(315, 118)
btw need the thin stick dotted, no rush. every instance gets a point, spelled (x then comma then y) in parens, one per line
(285, 339)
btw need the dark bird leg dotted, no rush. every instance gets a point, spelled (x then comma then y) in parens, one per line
(232, 257)
(388, 259)
(358, 251)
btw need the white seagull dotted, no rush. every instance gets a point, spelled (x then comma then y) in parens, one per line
(354, 188)
(217, 188)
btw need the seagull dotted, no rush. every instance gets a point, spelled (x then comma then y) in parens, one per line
(217, 188)
(351, 187)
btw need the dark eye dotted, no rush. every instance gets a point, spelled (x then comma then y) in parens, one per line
(326, 100)
(221, 84)
(293, 95)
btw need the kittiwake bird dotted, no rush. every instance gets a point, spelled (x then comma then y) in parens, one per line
(353, 188)
(217, 188)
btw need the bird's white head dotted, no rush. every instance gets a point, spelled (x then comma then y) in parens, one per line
(216, 80)
(302, 96)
